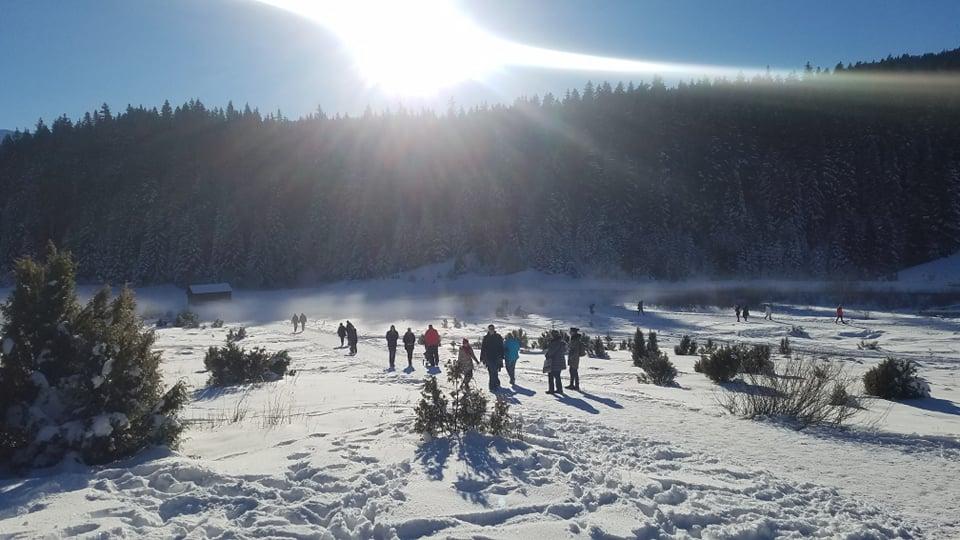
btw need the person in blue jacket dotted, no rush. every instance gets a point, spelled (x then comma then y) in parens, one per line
(511, 353)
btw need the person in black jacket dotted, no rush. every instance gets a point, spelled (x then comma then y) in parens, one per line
(352, 337)
(342, 332)
(392, 337)
(409, 343)
(491, 355)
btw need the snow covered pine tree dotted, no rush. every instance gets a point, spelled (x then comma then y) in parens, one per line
(78, 380)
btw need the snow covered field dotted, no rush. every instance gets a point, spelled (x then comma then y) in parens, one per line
(329, 453)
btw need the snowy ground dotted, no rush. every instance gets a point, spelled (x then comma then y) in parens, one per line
(328, 453)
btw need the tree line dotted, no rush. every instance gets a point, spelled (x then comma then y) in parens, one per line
(799, 176)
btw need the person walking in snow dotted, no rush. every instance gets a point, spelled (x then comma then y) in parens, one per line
(352, 337)
(392, 337)
(409, 343)
(554, 362)
(574, 353)
(640, 308)
(295, 320)
(511, 353)
(431, 340)
(768, 312)
(737, 309)
(303, 322)
(465, 360)
(342, 332)
(491, 355)
(745, 313)
(839, 318)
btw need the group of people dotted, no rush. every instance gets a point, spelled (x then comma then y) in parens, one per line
(348, 332)
(299, 321)
(496, 353)
(744, 312)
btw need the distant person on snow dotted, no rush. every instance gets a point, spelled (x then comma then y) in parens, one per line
(295, 322)
(342, 332)
(839, 318)
(511, 353)
(409, 343)
(768, 312)
(640, 307)
(491, 355)
(574, 353)
(737, 309)
(392, 337)
(745, 313)
(431, 340)
(554, 362)
(465, 360)
(352, 337)
(303, 322)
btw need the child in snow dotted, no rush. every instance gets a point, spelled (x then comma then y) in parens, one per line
(745, 313)
(303, 322)
(768, 312)
(465, 360)
(342, 332)
(839, 318)
(737, 309)
(295, 320)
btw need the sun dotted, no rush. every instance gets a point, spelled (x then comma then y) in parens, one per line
(414, 48)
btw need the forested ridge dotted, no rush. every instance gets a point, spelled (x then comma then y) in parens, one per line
(802, 176)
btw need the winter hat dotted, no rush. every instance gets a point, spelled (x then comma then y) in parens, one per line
(466, 341)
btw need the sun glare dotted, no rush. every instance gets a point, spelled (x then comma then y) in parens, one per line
(419, 47)
(406, 48)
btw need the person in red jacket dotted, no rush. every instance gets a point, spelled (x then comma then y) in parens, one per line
(839, 318)
(431, 340)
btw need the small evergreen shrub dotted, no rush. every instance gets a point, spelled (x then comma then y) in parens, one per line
(187, 319)
(754, 360)
(721, 365)
(785, 346)
(639, 350)
(231, 365)
(464, 411)
(658, 370)
(653, 349)
(599, 348)
(707, 347)
(431, 411)
(78, 379)
(234, 336)
(894, 379)
(686, 347)
(217, 324)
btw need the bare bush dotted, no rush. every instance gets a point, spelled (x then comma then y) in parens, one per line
(804, 392)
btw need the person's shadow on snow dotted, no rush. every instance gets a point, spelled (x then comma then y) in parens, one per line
(567, 399)
(606, 401)
(517, 389)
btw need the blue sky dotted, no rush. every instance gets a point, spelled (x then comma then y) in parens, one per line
(69, 56)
